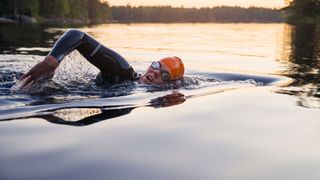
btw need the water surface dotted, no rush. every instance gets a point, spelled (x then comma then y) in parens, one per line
(247, 109)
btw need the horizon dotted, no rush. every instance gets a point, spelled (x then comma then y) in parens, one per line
(200, 3)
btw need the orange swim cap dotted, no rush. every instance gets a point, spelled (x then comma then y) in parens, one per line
(174, 66)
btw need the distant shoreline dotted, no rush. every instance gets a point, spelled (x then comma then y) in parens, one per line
(97, 11)
(163, 14)
(79, 21)
(69, 21)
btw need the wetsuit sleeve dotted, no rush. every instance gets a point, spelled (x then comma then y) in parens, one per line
(114, 68)
(68, 42)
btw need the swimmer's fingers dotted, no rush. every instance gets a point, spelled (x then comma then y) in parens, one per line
(32, 72)
(25, 75)
(36, 76)
(31, 76)
(48, 65)
(42, 70)
(27, 81)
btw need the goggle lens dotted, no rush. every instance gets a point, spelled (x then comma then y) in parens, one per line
(156, 66)
(165, 76)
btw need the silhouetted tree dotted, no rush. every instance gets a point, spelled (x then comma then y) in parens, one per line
(58, 9)
(304, 10)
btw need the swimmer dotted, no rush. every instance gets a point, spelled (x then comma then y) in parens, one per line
(113, 67)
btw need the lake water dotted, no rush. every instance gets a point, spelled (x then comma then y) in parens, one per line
(247, 109)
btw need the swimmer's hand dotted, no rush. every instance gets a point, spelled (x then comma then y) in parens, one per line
(40, 72)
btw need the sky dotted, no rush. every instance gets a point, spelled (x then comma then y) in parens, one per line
(202, 3)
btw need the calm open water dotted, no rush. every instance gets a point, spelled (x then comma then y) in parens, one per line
(247, 109)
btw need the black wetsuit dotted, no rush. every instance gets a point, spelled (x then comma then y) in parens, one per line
(114, 68)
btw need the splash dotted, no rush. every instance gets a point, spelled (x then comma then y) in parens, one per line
(74, 76)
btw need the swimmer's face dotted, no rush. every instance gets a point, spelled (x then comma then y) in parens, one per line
(156, 73)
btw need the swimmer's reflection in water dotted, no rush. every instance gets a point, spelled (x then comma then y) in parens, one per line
(94, 115)
(114, 69)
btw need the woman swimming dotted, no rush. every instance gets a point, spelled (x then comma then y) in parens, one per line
(113, 67)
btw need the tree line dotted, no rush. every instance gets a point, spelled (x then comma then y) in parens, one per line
(215, 14)
(97, 10)
(303, 11)
(83, 10)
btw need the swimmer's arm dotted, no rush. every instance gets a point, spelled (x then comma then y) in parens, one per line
(41, 71)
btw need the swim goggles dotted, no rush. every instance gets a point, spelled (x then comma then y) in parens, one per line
(165, 76)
